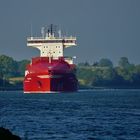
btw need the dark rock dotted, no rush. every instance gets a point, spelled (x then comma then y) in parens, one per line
(5, 134)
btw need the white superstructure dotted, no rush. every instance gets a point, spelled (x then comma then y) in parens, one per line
(51, 45)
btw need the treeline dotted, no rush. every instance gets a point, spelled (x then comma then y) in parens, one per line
(99, 74)
(10, 68)
(104, 74)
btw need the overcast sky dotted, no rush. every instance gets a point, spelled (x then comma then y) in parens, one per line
(104, 28)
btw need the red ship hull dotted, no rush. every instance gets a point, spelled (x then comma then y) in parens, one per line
(45, 76)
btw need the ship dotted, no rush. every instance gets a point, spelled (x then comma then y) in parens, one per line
(51, 72)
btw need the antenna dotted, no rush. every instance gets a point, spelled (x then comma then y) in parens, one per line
(52, 29)
(31, 30)
(59, 33)
(43, 32)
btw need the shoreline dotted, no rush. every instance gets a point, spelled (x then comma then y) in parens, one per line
(82, 88)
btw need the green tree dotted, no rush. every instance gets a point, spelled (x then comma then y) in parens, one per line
(123, 62)
(85, 75)
(22, 66)
(126, 70)
(104, 62)
(103, 76)
(85, 64)
(8, 67)
(95, 64)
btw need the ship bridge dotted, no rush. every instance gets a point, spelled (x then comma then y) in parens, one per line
(51, 44)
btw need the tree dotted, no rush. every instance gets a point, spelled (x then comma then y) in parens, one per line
(8, 67)
(126, 70)
(103, 77)
(85, 75)
(123, 62)
(104, 62)
(83, 64)
(22, 66)
(95, 64)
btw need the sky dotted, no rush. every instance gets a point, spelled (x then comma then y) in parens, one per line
(104, 28)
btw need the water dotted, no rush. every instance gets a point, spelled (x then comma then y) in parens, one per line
(84, 115)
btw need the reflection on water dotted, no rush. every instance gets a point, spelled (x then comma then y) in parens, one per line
(87, 114)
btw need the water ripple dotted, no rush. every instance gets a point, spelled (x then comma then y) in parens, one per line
(94, 114)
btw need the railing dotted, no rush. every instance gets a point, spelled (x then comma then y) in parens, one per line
(51, 38)
(64, 57)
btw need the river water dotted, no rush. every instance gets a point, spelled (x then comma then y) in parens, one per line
(84, 115)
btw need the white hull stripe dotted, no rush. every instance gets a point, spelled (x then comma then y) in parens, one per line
(49, 76)
(41, 91)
